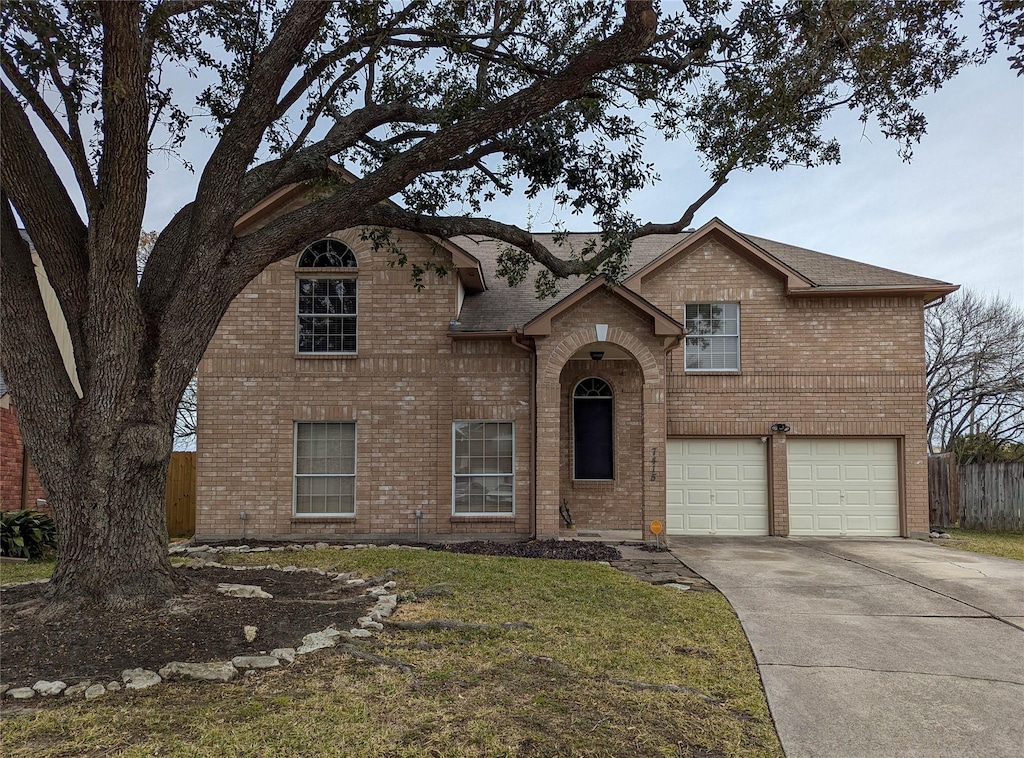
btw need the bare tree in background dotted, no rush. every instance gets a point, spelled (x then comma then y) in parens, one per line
(975, 372)
(185, 419)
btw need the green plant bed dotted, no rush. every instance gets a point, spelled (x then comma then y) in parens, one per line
(27, 534)
(1009, 544)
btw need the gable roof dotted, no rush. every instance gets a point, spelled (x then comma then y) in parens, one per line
(664, 325)
(717, 230)
(293, 196)
(501, 308)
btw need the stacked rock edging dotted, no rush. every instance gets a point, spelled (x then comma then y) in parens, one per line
(203, 556)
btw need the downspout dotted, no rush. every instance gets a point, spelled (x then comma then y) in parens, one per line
(533, 434)
(25, 463)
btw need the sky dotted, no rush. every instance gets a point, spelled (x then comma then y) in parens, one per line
(955, 213)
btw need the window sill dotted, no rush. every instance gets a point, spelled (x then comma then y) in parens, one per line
(712, 372)
(325, 518)
(325, 356)
(482, 517)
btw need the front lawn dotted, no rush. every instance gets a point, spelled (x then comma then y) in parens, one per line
(1004, 544)
(611, 667)
(25, 572)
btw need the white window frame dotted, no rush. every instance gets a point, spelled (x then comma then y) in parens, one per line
(334, 273)
(296, 475)
(688, 337)
(512, 473)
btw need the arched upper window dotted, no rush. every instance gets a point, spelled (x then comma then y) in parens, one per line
(326, 303)
(593, 438)
(328, 253)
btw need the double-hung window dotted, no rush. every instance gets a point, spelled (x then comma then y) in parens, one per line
(325, 468)
(483, 476)
(713, 339)
(327, 306)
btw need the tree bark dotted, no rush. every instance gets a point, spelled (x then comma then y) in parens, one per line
(112, 535)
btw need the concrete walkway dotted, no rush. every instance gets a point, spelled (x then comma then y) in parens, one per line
(878, 647)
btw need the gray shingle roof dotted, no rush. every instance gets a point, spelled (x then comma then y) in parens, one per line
(501, 307)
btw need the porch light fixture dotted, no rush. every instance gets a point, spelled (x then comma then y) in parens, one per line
(596, 355)
(780, 428)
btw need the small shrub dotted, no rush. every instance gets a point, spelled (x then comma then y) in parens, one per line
(27, 534)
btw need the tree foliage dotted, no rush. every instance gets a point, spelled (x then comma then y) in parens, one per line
(410, 115)
(975, 373)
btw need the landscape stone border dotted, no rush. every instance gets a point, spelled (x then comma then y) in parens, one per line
(662, 568)
(385, 601)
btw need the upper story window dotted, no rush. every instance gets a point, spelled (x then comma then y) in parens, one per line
(327, 303)
(593, 434)
(713, 342)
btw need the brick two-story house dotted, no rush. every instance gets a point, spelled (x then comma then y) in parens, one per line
(729, 385)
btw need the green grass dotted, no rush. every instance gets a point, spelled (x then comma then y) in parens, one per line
(1004, 544)
(546, 691)
(25, 572)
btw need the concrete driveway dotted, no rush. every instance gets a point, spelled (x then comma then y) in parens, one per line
(878, 647)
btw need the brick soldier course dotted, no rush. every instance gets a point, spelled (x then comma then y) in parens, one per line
(833, 348)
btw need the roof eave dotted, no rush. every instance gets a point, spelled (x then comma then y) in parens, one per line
(929, 292)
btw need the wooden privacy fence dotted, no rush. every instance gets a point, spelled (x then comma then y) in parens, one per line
(181, 495)
(943, 490)
(977, 496)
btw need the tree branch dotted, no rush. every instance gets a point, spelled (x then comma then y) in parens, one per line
(31, 357)
(73, 149)
(634, 35)
(687, 218)
(256, 108)
(41, 199)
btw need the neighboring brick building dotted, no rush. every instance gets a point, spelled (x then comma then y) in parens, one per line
(338, 401)
(19, 484)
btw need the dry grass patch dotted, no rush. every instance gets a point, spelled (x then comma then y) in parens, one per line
(568, 686)
(26, 572)
(1008, 544)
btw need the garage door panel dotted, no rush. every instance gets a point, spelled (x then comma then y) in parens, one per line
(858, 473)
(695, 473)
(719, 487)
(801, 473)
(843, 487)
(725, 473)
(826, 473)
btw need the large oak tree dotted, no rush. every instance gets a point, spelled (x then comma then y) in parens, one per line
(432, 104)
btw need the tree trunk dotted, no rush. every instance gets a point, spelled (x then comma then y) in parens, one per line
(111, 520)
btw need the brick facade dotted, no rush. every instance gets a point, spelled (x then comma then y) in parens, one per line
(13, 495)
(840, 366)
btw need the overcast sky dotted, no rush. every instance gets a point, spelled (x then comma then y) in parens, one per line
(955, 213)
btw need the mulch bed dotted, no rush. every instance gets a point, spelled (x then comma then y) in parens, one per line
(567, 550)
(201, 625)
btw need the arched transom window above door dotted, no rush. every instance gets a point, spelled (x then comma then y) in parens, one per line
(593, 438)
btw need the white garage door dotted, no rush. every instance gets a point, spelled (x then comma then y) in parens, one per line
(843, 487)
(717, 486)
